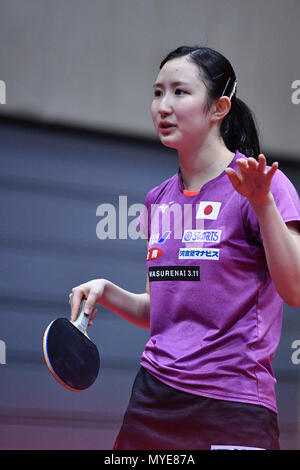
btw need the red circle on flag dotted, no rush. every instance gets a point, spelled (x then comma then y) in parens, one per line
(208, 210)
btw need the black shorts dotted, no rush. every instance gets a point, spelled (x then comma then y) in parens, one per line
(159, 417)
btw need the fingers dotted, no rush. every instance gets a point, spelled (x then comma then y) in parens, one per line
(75, 299)
(242, 162)
(261, 163)
(252, 178)
(90, 302)
(256, 165)
(247, 164)
(91, 291)
(252, 163)
(233, 177)
(92, 316)
(273, 170)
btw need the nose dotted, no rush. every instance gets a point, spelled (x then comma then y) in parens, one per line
(165, 106)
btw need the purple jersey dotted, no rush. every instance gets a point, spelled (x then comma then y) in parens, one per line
(215, 316)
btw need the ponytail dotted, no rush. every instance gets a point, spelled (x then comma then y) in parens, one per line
(238, 129)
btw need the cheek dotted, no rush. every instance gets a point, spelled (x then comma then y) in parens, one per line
(192, 115)
(154, 111)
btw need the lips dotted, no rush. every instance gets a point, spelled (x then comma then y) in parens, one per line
(166, 125)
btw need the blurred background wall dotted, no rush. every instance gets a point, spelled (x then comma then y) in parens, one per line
(76, 132)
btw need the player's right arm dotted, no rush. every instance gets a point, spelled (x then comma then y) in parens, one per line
(134, 308)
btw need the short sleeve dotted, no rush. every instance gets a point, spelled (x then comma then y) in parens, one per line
(286, 199)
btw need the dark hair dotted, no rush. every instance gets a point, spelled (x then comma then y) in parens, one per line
(238, 128)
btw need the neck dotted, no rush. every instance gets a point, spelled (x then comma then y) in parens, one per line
(198, 166)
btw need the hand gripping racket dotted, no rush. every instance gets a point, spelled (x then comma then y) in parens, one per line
(71, 357)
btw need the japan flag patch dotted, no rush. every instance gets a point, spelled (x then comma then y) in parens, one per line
(208, 210)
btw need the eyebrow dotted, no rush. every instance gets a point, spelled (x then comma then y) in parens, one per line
(158, 84)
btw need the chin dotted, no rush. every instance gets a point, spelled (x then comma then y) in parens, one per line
(171, 143)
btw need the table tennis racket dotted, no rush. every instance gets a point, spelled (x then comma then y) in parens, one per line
(71, 357)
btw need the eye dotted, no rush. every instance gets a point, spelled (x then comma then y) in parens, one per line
(157, 92)
(179, 91)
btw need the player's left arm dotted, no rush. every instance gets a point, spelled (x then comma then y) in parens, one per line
(281, 240)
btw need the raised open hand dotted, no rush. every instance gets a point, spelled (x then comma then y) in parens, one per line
(252, 180)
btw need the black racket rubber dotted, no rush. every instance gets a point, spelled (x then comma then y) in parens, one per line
(73, 357)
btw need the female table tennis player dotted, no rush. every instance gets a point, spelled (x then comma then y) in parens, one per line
(217, 295)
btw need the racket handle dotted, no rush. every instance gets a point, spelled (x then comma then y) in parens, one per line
(82, 320)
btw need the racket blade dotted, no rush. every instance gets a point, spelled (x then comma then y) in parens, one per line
(72, 358)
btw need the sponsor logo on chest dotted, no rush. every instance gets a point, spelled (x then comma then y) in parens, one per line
(195, 236)
(199, 253)
(154, 253)
(156, 238)
(174, 273)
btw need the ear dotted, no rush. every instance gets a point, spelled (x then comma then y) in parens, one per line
(220, 109)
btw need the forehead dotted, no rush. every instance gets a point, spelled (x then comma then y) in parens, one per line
(181, 70)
